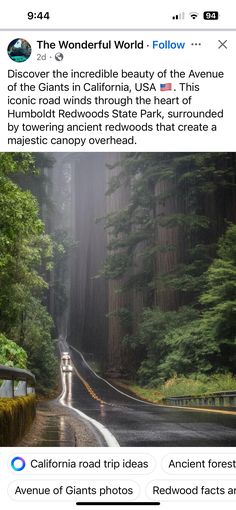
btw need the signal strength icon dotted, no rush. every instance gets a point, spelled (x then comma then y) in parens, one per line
(179, 16)
(193, 15)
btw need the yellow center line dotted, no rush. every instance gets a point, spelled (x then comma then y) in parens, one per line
(89, 389)
(92, 394)
(186, 408)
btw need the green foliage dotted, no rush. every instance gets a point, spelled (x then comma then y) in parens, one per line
(190, 182)
(219, 300)
(188, 341)
(38, 343)
(155, 330)
(11, 354)
(124, 315)
(11, 163)
(196, 384)
(116, 265)
(163, 243)
(26, 254)
(187, 351)
(23, 243)
(16, 417)
(62, 249)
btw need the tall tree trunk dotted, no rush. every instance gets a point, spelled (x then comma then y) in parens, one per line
(88, 296)
(167, 242)
(117, 353)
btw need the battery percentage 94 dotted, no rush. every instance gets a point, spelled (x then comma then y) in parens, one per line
(211, 15)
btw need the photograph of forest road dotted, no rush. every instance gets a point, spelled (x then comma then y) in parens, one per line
(118, 299)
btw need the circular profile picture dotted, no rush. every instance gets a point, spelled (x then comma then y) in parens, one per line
(19, 50)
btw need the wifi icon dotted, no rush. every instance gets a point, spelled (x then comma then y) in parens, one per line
(193, 15)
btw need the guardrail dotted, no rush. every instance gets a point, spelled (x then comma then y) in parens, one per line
(216, 399)
(10, 375)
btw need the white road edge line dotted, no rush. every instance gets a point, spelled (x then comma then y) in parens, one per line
(111, 385)
(143, 401)
(107, 435)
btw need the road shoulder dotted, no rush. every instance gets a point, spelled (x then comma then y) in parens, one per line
(56, 425)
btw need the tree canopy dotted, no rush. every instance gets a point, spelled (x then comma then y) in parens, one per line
(26, 254)
(172, 249)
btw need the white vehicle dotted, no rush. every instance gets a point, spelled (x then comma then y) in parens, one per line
(66, 362)
(65, 356)
(67, 368)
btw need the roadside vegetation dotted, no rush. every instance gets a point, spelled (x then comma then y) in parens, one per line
(178, 386)
(173, 256)
(26, 257)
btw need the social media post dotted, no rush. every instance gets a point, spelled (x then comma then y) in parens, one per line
(117, 329)
(126, 91)
(117, 260)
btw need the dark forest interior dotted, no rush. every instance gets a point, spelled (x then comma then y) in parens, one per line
(131, 257)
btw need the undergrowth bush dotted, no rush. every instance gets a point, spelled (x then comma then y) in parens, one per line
(16, 417)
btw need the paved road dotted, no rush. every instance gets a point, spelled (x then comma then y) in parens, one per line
(134, 423)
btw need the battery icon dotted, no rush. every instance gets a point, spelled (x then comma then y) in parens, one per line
(211, 15)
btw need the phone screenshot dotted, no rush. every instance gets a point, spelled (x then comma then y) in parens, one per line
(118, 255)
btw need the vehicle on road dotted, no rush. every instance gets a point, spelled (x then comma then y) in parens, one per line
(66, 362)
(65, 356)
(67, 368)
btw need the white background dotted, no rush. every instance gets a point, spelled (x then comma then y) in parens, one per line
(123, 14)
(214, 94)
(142, 482)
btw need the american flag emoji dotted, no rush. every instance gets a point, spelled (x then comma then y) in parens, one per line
(165, 86)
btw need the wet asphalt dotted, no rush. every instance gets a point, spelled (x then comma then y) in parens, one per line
(134, 423)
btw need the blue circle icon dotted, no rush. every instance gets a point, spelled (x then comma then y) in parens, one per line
(18, 463)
